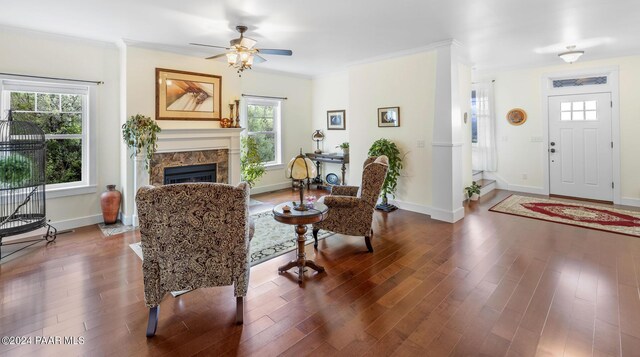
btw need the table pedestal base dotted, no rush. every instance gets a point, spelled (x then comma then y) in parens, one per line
(301, 262)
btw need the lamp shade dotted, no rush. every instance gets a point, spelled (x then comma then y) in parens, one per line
(301, 168)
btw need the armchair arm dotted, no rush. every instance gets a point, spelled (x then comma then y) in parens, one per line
(344, 190)
(342, 201)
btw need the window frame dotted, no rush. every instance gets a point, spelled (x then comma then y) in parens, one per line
(88, 137)
(277, 126)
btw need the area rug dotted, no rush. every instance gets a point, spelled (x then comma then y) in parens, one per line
(109, 230)
(601, 218)
(270, 239)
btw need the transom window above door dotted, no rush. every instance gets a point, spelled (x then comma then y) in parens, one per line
(579, 111)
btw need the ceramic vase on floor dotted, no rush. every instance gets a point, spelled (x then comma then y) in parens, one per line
(110, 204)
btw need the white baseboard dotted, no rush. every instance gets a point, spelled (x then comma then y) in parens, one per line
(63, 225)
(627, 201)
(270, 188)
(413, 207)
(447, 216)
(527, 189)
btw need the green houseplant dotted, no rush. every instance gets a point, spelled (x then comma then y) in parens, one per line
(140, 133)
(473, 191)
(345, 148)
(391, 151)
(251, 165)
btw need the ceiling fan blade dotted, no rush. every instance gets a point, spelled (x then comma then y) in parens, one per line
(258, 59)
(217, 56)
(271, 51)
(203, 45)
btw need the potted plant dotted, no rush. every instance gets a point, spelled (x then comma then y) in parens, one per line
(391, 151)
(140, 133)
(473, 191)
(344, 147)
(251, 165)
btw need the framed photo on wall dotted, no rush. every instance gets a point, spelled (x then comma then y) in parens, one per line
(389, 117)
(184, 95)
(336, 120)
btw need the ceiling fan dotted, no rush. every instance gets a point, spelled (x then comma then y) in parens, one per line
(241, 53)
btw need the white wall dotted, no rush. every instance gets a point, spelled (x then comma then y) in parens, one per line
(409, 83)
(519, 155)
(39, 54)
(331, 92)
(464, 85)
(296, 113)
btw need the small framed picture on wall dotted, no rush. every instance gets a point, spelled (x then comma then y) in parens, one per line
(389, 117)
(336, 120)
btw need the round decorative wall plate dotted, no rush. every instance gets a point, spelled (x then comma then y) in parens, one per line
(516, 116)
(333, 179)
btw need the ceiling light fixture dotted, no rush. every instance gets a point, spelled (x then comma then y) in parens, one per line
(571, 55)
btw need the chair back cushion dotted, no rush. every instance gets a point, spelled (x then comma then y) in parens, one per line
(373, 177)
(193, 234)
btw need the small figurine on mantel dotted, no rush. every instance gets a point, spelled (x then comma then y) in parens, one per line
(237, 113)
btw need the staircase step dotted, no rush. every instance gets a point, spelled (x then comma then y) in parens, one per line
(486, 186)
(476, 175)
(485, 182)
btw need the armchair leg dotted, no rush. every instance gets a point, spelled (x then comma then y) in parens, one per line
(367, 241)
(315, 237)
(239, 310)
(152, 325)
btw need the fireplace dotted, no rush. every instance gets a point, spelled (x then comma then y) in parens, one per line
(190, 173)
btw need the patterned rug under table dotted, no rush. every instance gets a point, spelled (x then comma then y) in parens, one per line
(271, 238)
(603, 218)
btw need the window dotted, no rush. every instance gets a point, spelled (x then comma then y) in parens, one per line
(62, 112)
(576, 111)
(263, 123)
(474, 118)
(578, 82)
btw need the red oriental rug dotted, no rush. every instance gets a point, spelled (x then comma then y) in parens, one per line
(576, 214)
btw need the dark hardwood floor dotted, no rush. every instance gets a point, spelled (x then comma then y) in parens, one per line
(490, 285)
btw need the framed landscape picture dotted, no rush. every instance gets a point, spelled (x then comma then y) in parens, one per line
(336, 120)
(389, 117)
(184, 95)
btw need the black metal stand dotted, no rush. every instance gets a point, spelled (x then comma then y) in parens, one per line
(49, 237)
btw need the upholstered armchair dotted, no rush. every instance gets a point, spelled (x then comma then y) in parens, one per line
(351, 208)
(194, 235)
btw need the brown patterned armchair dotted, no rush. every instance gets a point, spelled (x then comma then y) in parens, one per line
(350, 212)
(194, 235)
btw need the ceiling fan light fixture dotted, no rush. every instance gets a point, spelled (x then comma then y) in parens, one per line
(232, 58)
(571, 55)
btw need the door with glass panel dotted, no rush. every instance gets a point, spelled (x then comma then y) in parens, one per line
(580, 146)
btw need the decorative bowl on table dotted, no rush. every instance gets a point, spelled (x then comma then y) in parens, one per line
(333, 179)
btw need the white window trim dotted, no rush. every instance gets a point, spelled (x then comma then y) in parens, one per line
(89, 115)
(277, 164)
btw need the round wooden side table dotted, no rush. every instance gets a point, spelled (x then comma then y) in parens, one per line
(300, 219)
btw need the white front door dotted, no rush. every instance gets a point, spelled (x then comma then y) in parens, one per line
(580, 146)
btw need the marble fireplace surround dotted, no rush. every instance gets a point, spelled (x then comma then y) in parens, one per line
(178, 147)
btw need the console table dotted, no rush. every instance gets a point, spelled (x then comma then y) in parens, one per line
(334, 158)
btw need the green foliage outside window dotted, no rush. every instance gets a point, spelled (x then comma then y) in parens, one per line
(55, 114)
(15, 170)
(261, 127)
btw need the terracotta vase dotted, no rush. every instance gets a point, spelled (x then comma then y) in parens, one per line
(110, 204)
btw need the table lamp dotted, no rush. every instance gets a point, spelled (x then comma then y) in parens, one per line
(301, 168)
(317, 136)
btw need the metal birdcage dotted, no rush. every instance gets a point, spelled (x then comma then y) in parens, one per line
(22, 182)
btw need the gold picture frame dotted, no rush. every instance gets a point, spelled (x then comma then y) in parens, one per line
(182, 95)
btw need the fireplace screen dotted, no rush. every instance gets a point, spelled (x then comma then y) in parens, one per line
(22, 181)
(191, 173)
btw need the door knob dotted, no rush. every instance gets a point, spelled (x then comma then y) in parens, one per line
(552, 150)
(552, 143)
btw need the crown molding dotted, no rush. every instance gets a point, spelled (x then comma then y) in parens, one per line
(58, 36)
(422, 49)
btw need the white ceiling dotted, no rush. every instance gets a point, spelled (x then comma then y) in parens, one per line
(328, 35)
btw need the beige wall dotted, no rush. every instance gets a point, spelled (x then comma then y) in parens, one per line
(519, 154)
(39, 54)
(331, 92)
(409, 83)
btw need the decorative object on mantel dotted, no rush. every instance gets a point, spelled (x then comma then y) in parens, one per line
(184, 95)
(336, 120)
(140, 133)
(390, 150)
(225, 123)
(237, 113)
(251, 165)
(389, 117)
(516, 116)
(345, 148)
(110, 204)
(242, 52)
(22, 182)
(300, 168)
(317, 136)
